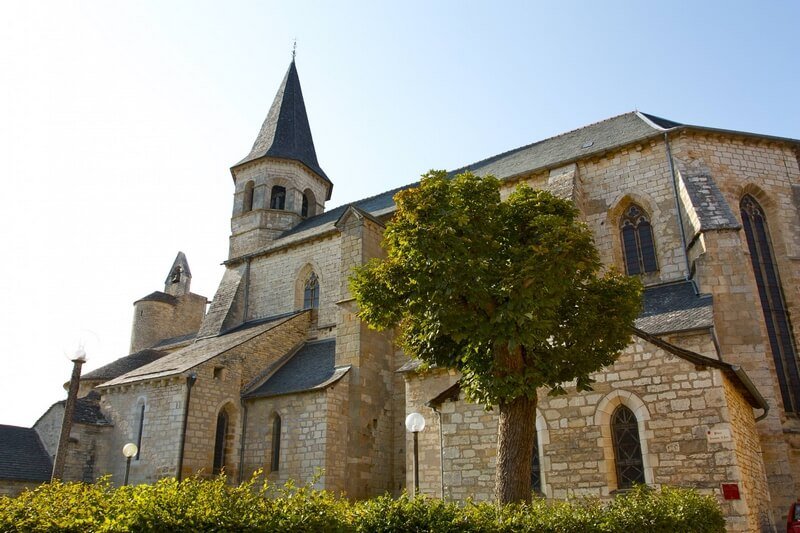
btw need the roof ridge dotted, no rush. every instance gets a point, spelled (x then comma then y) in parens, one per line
(513, 150)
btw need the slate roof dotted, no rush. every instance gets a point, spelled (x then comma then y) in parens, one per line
(576, 144)
(159, 296)
(286, 133)
(180, 261)
(674, 307)
(123, 365)
(196, 353)
(713, 211)
(312, 367)
(174, 341)
(22, 455)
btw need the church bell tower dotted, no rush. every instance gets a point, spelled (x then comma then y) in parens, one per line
(279, 183)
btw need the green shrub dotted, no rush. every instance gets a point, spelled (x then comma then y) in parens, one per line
(212, 505)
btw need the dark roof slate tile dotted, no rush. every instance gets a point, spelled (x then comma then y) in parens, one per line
(22, 455)
(674, 307)
(123, 365)
(312, 367)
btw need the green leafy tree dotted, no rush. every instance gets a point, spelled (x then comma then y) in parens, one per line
(510, 293)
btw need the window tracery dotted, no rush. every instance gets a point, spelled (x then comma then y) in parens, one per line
(637, 241)
(770, 292)
(311, 292)
(627, 448)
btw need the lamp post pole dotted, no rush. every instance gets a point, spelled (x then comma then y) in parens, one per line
(416, 463)
(129, 451)
(69, 409)
(415, 423)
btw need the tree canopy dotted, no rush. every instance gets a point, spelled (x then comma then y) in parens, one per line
(467, 274)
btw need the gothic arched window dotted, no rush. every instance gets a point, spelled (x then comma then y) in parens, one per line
(219, 442)
(275, 462)
(627, 448)
(637, 241)
(304, 208)
(247, 204)
(311, 292)
(779, 329)
(277, 199)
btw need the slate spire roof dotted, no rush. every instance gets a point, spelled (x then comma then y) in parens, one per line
(183, 263)
(285, 132)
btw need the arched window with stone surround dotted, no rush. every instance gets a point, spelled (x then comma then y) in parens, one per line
(627, 448)
(220, 439)
(638, 245)
(247, 203)
(277, 198)
(770, 292)
(309, 207)
(311, 292)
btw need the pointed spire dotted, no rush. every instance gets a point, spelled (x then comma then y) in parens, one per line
(179, 277)
(285, 133)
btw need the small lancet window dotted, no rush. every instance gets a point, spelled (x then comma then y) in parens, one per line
(247, 204)
(219, 442)
(278, 198)
(637, 241)
(275, 459)
(139, 435)
(311, 292)
(536, 467)
(304, 208)
(770, 292)
(627, 448)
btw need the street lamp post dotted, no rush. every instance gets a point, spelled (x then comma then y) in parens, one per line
(78, 358)
(415, 423)
(129, 451)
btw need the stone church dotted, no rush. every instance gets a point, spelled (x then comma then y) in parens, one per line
(277, 373)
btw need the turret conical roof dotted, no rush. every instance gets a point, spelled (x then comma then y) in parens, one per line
(285, 133)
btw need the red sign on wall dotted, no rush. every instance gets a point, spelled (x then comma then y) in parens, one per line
(730, 491)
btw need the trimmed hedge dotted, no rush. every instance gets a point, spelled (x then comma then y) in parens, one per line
(211, 505)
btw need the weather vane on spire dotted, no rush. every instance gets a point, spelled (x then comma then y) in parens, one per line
(294, 49)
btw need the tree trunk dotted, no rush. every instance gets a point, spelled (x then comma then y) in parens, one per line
(516, 432)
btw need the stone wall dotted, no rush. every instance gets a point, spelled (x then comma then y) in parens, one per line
(675, 403)
(257, 228)
(154, 321)
(87, 444)
(276, 281)
(371, 423)
(304, 437)
(161, 434)
(768, 171)
(754, 489)
(218, 385)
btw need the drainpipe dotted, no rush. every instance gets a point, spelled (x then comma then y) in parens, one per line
(244, 434)
(190, 379)
(678, 211)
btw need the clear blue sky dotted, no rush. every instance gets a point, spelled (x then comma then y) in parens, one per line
(119, 121)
